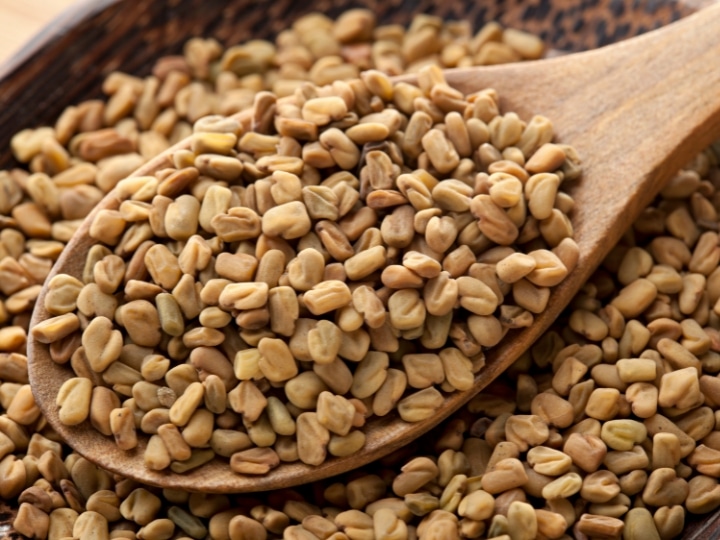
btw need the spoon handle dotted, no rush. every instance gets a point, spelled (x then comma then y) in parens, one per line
(636, 111)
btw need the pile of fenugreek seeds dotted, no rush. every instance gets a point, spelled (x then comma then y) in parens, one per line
(605, 429)
(306, 265)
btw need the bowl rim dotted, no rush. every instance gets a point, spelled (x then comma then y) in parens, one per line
(56, 28)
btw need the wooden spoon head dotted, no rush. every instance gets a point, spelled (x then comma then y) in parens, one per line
(617, 184)
(383, 434)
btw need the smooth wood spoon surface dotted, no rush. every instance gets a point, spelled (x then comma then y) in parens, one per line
(635, 111)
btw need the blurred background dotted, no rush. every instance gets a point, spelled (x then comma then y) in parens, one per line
(20, 20)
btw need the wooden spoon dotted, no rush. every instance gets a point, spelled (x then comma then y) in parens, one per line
(636, 112)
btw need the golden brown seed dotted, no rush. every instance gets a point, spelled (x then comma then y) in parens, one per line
(458, 369)
(549, 269)
(406, 309)
(254, 461)
(440, 294)
(283, 309)
(514, 267)
(276, 361)
(324, 342)
(507, 474)
(102, 343)
(324, 110)
(142, 323)
(476, 296)
(420, 405)
(312, 438)
(335, 413)
(327, 296)
(122, 425)
(370, 374)
(288, 221)
(680, 389)
(493, 222)
(73, 400)
(243, 296)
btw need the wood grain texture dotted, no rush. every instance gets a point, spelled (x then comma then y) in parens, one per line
(611, 106)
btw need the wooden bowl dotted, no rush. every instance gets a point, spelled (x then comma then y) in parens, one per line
(67, 62)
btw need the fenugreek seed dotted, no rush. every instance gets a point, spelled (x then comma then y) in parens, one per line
(102, 343)
(541, 191)
(276, 361)
(476, 296)
(569, 373)
(680, 389)
(548, 461)
(677, 355)
(335, 413)
(586, 451)
(420, 405)
(322, 111)
(243, 296)
(526, 431)
(458, 369)
(102, 403)
(163, 266)
(621, 462)
(493, 222)
(141, 321)
(423, 370)
(485, 330)
(74, 399)
(306, 269)
(563, 487)
(522, 521)
(312, 439)
(227, 442)
(623, 434)
(248, 400)
(597, 525)
(391, 391)
(156, 456)
(107, 227)
(56, 328)
(213, 143)
(122, 425)
(187, 404)
(31, 521)
(287, 221)
(327, 296)
(553, 409)
(199, 458)
(237, 224)
(643, 399)
(324, 342)
(406, 309)
(515, 267)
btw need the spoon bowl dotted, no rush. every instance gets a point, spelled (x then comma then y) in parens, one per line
(635, 111)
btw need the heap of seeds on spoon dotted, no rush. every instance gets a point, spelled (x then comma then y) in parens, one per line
(324, 257)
